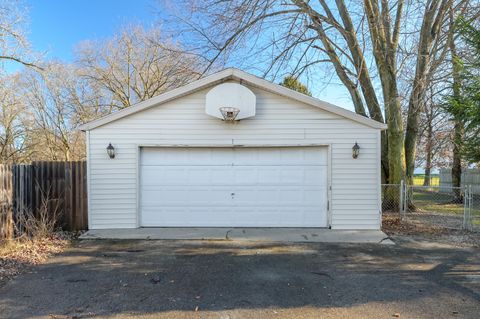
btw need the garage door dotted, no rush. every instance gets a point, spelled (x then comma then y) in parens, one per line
(233, 187)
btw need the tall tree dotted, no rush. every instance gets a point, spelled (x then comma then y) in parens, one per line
(458, 124)
(359, 40)
(433, 46)
(433, 147)
(464, 102)
(14, 48)
(41, 109)
(14, 122)
(48, 97)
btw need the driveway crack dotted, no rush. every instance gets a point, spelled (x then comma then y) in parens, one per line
(228, 232)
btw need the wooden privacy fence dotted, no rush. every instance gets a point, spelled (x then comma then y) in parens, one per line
(469, 176)
(58, 188)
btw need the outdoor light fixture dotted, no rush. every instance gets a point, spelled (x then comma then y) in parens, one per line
(110, 150)
(355, 150)
(229, 113)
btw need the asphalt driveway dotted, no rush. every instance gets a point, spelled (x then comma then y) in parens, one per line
(225, 279)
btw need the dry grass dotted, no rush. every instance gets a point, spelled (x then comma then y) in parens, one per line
(392, 225)
(35, 240)
(18, 254)
(40, 225)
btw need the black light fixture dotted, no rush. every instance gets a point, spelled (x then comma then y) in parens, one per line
(110, 150)
(355, 150)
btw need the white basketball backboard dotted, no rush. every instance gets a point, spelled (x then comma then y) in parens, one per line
(230, 95)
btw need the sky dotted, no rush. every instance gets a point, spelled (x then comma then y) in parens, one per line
(56, 27)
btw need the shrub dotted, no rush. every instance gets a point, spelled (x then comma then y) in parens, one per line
(40, 225)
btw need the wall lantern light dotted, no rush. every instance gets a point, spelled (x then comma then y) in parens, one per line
(110, 150)
(355, 150)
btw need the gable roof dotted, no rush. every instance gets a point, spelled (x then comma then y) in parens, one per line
(231, 74)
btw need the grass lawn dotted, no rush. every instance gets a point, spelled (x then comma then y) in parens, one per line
(431, 201)
(418, 180)
(436, 202)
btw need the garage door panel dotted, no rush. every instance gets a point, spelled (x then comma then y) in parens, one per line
(220, 175)
(257, 187)
(315, 174)
(182, 198)
(291, 176)
(225, 156)
(186, 218)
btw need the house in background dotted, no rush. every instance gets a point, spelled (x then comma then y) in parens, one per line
(234, 150)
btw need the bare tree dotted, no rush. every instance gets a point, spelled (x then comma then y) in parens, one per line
(14, 122)
(364, 42)
(433, 147)
(433, 47)
(135, 65)
(14, 46)
(50, 97)
(131, 67)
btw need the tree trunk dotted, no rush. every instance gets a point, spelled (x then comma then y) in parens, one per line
(458, 125)
(427, 177)
(428, 164)
(384, 157)
(384, 51)
(395, 138)
(457, 161)
(395, 151)
(428, 150)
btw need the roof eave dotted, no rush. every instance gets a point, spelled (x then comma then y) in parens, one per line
(160, 99)
(281, 90)
(231, 73)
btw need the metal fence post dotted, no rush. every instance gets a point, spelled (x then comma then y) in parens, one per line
(470, 204)
(467, 207)
(402, 196)
(471, 208)
(465, 201)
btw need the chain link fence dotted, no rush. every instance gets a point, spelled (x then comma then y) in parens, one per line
(473, 213)
(438, 208)
(391, 195)
(435, 206)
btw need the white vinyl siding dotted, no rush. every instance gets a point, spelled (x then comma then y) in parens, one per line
(279, 121)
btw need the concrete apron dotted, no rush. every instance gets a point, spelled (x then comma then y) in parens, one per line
(244, 234)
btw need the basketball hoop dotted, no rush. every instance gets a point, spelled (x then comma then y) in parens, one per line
(230, 102)
(229, 113)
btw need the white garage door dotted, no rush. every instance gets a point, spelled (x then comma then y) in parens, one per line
(233, 187)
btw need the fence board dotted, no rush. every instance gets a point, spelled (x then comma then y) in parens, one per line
(60, 187)
(6, 207)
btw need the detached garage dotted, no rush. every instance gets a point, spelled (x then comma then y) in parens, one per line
(233, 150)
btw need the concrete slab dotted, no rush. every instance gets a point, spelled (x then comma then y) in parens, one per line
(245, 234)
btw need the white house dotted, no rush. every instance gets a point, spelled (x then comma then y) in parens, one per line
(286, 160)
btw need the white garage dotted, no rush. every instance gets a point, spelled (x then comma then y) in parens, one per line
(233, 150)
